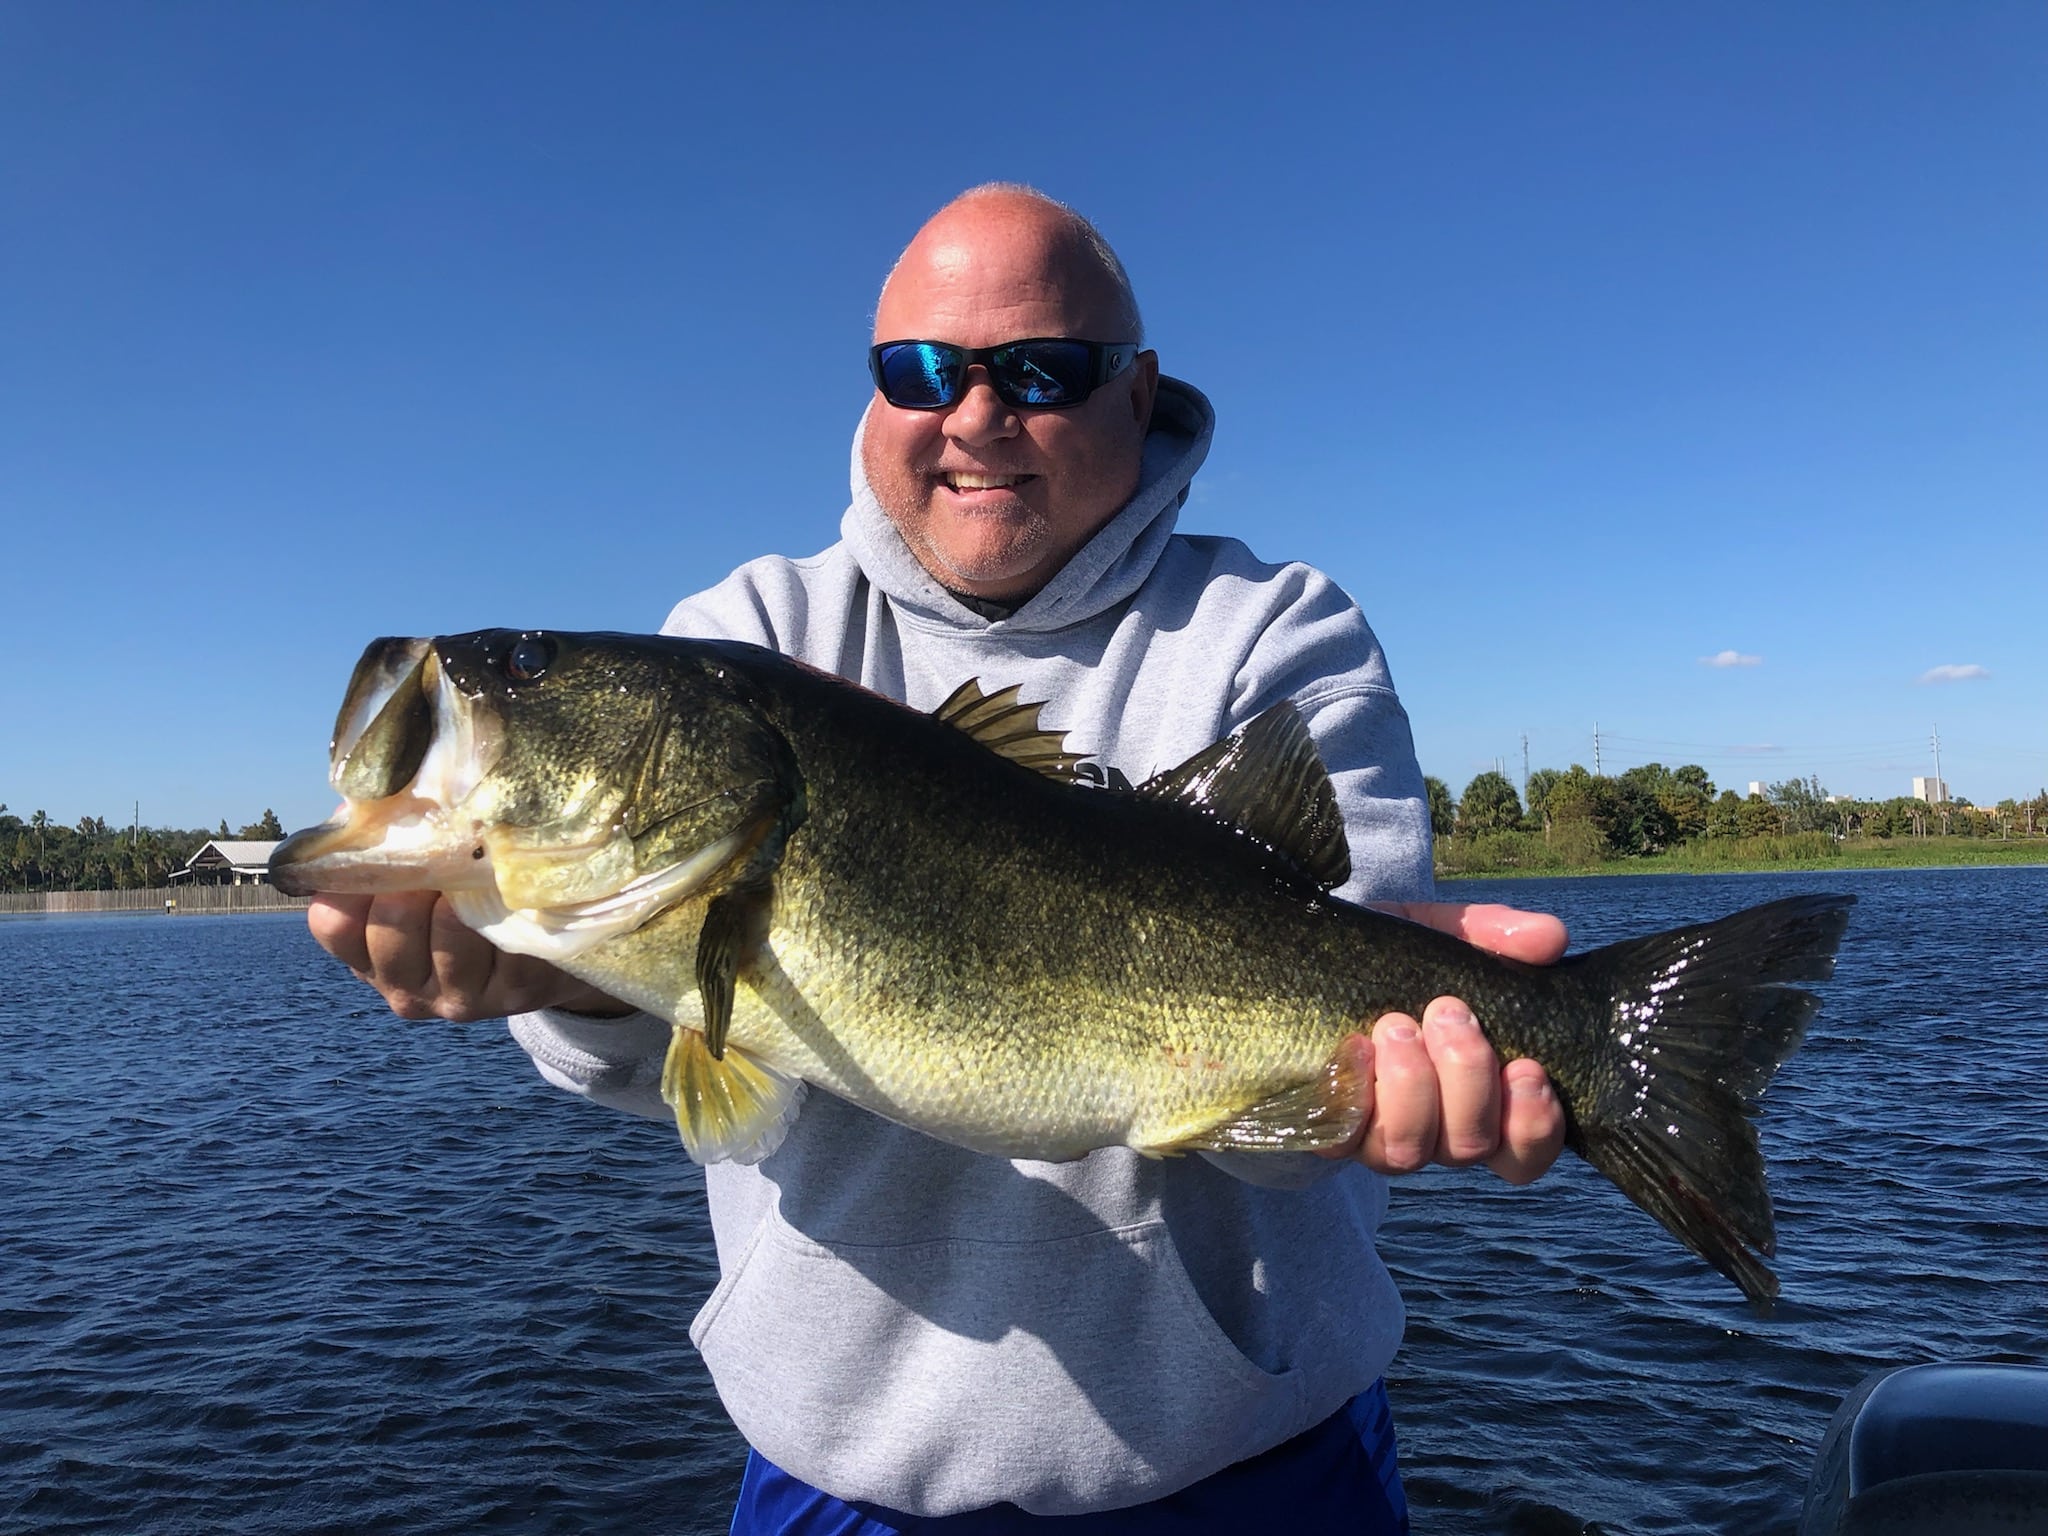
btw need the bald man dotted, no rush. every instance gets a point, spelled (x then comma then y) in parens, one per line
(911, 1336)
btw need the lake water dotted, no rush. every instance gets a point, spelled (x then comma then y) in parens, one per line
(274, 1261)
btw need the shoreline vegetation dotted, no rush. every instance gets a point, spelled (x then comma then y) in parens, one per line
(1657, 820)
(42, 856)
(1746, 856)
(1646, 821)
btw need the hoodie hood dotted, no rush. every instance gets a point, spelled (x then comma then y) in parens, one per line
(1102, 573)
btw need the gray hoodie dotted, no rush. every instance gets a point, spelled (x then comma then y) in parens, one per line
(906, 1323)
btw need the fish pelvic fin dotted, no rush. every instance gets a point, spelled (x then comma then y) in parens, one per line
(1700, 1020)
(1267, 781)
(1322, 1111)
(729, 1109)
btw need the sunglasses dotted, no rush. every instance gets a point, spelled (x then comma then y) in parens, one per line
(1044, 373)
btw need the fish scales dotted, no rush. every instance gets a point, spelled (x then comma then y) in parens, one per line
(1024, 939)
(816, 885)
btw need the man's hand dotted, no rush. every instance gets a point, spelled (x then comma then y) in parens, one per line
(412, 948)
(1435, 1092)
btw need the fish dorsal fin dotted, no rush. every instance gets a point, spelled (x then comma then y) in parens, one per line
(1008, 728)
(1267, 780)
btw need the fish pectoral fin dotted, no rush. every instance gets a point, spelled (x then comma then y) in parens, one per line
(1321, 1112)
(735, 1109)
(734, 925)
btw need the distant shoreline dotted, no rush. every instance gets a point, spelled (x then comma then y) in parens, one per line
(1919, 853)
(182, 900)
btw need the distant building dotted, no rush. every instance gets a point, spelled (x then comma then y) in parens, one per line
(1756, 787)
(1933, 791)
(221, 862)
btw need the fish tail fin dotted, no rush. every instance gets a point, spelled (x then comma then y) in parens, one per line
(1698, 1021)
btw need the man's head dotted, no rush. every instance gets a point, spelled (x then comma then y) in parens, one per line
(993, 499)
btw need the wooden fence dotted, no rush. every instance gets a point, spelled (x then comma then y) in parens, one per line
(174, 899)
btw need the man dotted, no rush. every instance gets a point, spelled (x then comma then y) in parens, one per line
(913, 1336)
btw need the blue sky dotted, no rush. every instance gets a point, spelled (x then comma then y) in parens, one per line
(1581, 342)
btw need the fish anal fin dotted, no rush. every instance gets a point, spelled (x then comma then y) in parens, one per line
(736, 1109)
(1009, 729)
(1321, 1111)
(734, 925)
(1267, 780)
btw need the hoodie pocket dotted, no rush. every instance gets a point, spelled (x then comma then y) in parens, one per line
(1077, 1373)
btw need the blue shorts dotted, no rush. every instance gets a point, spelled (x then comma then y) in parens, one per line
(1339, 1477)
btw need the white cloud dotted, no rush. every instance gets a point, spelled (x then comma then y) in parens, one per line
(1954, 674)
(1731, 659)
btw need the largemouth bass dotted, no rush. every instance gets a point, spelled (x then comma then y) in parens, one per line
(924, 915)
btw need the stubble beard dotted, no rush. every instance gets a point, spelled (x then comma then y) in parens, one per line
(964, 550)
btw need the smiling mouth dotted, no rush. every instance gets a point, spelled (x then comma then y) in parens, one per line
(965, 480)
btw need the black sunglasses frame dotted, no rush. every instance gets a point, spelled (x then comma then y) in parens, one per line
(1106, 359)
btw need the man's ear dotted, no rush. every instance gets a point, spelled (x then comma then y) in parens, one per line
(1144, 387)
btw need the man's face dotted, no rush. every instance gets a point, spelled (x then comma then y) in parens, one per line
(993, 499)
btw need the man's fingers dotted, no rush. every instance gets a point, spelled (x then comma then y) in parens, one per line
(337, 924)
(1535, 937)
(1437, 1093)
(1531, 1124)
(1402, 1135)
(465, 966)
(1467, 1081)
(400, 937)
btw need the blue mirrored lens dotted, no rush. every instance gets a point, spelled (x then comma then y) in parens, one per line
(1042, 373)
(920, 373)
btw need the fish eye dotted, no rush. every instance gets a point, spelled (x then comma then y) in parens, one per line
(529, 658)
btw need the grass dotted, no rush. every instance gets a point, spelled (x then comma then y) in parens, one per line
(1499, 855)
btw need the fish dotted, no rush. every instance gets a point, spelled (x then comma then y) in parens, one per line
(927, 915)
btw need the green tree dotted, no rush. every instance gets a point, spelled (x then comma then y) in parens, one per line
(1628, 812)
(268, 829)
(1687, 797)
(1802, 805)
(1443, 811)
(1757, 817)
(1538, 796)
(1570, 796)
(1489, 804)
(1724, 819)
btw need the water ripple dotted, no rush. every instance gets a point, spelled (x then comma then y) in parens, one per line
(278, 1262)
